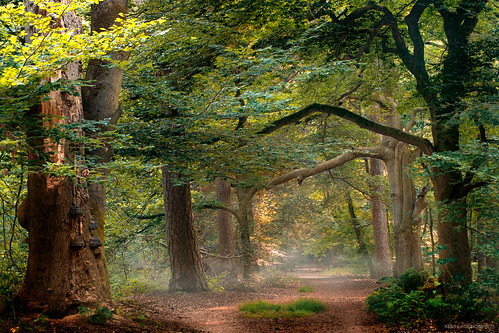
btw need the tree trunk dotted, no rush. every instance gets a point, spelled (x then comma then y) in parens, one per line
(225, 228)
(185, 260)
(101, 102)
(65, 263)
(455, 254)
(406, 218)
(244, 220)
(407, 225)
(358, 235)
(378, 215)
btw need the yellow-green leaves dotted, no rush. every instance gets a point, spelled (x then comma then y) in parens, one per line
(51, 45)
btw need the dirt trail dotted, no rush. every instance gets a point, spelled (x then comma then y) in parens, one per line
(218, 312)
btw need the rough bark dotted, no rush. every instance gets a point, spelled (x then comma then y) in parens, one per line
(65, 264)
(358, 236)
(101, 102)
(185, 259)
(225, 228)
(378, 216)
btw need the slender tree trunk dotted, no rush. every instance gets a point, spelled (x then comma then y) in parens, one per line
(65, 264)
(433, 259)
(244, 221)
(185, 260)
(225, 228)
(358, 235)
(378, 215)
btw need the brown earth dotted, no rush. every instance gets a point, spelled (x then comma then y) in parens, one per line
(218, 311)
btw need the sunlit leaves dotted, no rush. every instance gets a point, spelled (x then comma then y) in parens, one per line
(51, 46)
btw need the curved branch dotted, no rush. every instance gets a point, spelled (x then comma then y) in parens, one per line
(412, 21)
(412, 122)
(301, 174)
(425, 145)
(217, 206)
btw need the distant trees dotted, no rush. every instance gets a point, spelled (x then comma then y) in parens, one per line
(447, 92)
(216, 76)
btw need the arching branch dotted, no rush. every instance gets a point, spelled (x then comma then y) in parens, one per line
(217, 206)
(301, 174)
(424, 144)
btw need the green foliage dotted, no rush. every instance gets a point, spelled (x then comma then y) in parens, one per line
(300, 308)
(84, 311)
(411, 280)
(101, 316)
(276, 279)
(98, 316)
(216, 283)
(405, 302)
(306, 289)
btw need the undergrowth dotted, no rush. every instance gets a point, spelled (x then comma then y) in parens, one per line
(414, 299)
(300, 308)
(276, 279)
(306, 289)
(98, 316)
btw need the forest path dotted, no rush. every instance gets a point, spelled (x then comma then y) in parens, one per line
(218, 311)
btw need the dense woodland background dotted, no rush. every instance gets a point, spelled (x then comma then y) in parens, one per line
(194, 145)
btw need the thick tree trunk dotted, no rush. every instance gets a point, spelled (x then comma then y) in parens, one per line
(358, 236)
(378, 215)
(406, 213)
(455, 253)
(407, 225)
(65, 264)
(225, 228)
(185, 260)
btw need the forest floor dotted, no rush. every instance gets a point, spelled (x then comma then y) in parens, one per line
(218, 311)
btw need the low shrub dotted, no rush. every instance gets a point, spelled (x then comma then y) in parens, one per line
(306, 289)
(98, 316)
(276, 279)
(300, 308)
(407, 301)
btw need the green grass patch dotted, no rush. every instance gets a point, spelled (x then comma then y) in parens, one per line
(306, 289)
(300, 308)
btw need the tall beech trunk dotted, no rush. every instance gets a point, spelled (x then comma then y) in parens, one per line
(406, 213)
(65, 263)
(358, 236)
(225, 228)
(185, 260)
(378, 216)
